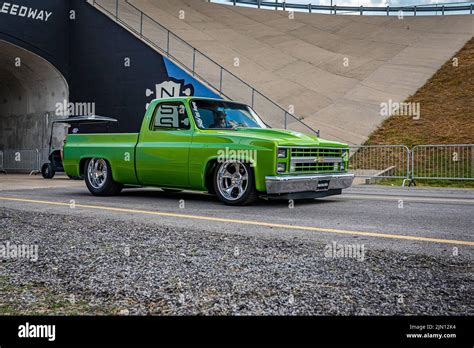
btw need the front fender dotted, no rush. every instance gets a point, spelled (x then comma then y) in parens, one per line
(203, 160)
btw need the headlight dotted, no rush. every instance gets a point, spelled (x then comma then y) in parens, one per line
(281, 153)
(281, 167)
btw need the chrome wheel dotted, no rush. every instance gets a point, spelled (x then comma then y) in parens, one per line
(97, 172)
(232, 180)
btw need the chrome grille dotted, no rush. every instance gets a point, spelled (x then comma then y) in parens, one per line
(320, 167)
(315, 159)
(315, 152)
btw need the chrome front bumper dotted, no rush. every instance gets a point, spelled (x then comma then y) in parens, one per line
(307, 183)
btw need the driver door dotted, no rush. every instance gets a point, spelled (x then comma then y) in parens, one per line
(162, 155)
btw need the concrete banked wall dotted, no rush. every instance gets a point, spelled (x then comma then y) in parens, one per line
(300, 61)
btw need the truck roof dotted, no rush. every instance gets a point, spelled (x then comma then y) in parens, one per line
(196, 97)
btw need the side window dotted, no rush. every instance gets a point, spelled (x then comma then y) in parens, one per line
(207, 117)
(170, 116)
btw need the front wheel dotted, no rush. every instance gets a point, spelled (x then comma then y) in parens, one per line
(234, 183)
(99, 179)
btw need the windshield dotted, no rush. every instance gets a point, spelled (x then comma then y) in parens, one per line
(216, 114)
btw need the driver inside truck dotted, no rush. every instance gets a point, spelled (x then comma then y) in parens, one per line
(220, 120)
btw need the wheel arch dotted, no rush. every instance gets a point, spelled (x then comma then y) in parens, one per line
(82, 165)
(209, 173)
(83, 161)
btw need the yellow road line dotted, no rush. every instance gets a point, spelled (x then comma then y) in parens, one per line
(246, 222)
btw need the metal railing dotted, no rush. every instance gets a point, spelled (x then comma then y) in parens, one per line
(441, 7)
(198, 64)
(443, 162)
(381, 161)
(20, 161)
(335, 9)
(435, 162)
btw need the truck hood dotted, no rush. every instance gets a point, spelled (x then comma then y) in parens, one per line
(286, 137)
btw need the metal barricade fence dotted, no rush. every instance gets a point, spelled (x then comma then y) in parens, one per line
(381, 161)
(21, 161)
(443, 162)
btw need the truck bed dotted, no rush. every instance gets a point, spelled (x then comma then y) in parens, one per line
(117, 148)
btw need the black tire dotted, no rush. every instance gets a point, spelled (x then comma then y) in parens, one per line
(47, 171)
(249, 195)
(108, 187)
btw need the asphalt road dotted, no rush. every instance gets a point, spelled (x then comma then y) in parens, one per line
(150, 252)
(415, 220)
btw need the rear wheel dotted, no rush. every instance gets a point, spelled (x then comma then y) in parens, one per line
(234, 183)
(47, 171)
(98, 176)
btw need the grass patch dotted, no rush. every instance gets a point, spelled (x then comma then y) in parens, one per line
(35, 299)
(446, 108)
(446, 117)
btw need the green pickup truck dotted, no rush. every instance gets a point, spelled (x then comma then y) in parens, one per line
(209, 145)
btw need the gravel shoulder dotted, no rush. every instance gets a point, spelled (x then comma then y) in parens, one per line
(106, 266)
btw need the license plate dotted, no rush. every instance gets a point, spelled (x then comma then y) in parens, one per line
(323, 185)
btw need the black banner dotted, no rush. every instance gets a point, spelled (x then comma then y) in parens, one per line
(412, 331)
